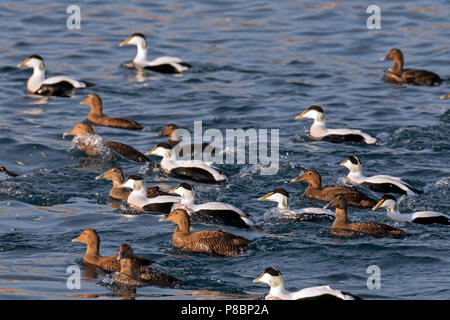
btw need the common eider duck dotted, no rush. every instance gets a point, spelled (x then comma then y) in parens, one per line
(118, 192)
(138, 197)
(83, 132)
(110, 263)
(342, 226)
(378, 183)
(445, 96)
(7, 172)
(128, 276)
(273, 278)
(421, 217)
(213, 211)
(162, 64)
(216, 242)
(281, 197)
(319, 130)
(53, 86)
(315, 191)
(97, 117)
(195, 170)
(398, 75)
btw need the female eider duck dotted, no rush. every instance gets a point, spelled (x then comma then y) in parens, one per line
(7, 172)
(345, 228)
(83, 132)
(273, 278)
(161, 64)
(97, 117)
(109, 263)
(421, 217)
(378, 183)
(118, 192)
(128, 276)
(216, 242)
(319, 130)
(281, 196)
(53, 86)
(398, 75)
(315, 191)
(195, 170)
(214, 211)
(138, 197)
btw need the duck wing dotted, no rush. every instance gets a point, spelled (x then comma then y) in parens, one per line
(219, 242)
(126, 151)
(417, 76)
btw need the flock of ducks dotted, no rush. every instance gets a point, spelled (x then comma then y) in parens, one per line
(179, 203)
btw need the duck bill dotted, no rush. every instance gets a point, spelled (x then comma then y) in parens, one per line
(328, 205)
(23, 63)
(173, 190)
(125, 42)
(384, 58)
(84, 101)
(296, 179)
(300, 116)
(445, 96)
(342, 163)
(378, 205)
(265, 197)
(164, 219)
(258, 279)
(102, 176)
(149, 153)
(68, 133)
(76, 239)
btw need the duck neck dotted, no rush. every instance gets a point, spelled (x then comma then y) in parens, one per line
(398, 66)
(127, 267)
(141, 54)
(283, 203)
(184, 226)
(93, 249)
(279, 291)
(341, 219)
(36, 79)
(117, 181)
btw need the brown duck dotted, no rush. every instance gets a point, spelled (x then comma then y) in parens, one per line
(206, 241)
(315, 191)
(6, 171)
(344, 227)
(128, 276)
(97, 117)
(398, 75)
(128, 152)
(109, 263)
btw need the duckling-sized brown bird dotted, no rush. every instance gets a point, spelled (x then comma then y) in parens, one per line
(315, 191)
(398, 75)
(216, 242)
(92, 149)
(9, 173)
(109, 263)
(97, 117)
(128, 276)
(342, 225)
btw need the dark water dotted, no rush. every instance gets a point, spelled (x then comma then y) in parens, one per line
(256, 65)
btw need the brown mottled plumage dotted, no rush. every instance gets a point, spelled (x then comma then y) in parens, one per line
(345, 228)
(109, 263)
(206, 241)
(97, 117)
(6, 171)
(315, 191)
(398, 75)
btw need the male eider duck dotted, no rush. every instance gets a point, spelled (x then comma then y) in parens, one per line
(319, 130)
(82, 132)
(273, 278)
(97, 117)
(398, 75)
(161, 64)
(53, 86)
(118, 192)
(281, 196)
(421, 217)
(216, 242)
(216, 211)
(138, 197)
(128, 276)
(7, 172)
(344, 227)
(315, 191)
(109, 263)
(195, 170)
(378, 183)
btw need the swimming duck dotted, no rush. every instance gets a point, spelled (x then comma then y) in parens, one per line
(273, 278)
(344, 227)
(216, 242)
(9, 173)
(398, 75)
(215, 211)
(128, 276)
(195, 170)
(315, 191)
(281, 196)
(53, 86)
(161, 64)
(319, 130)
(138, 197)
(83, 134)
(445, 96)
(421, 217)
(117, 192)
(97, 117)
(109, 263)
(378, 183)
